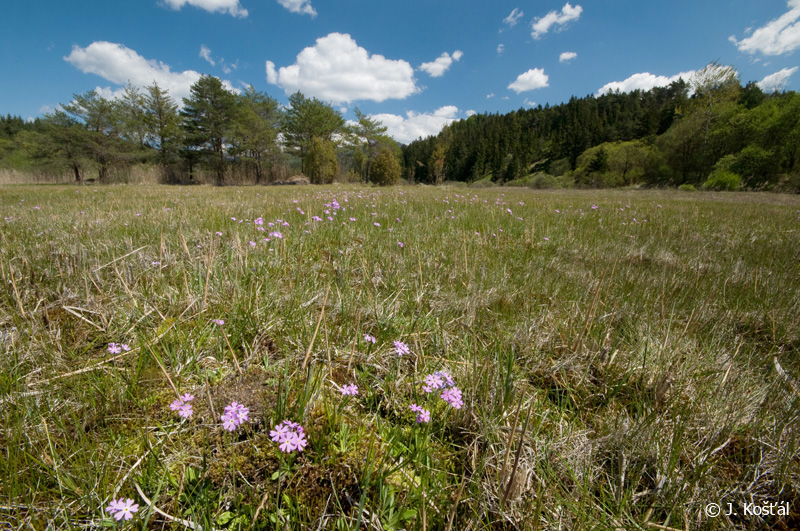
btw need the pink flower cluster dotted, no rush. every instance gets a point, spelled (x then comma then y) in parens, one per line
(122, 509)
(438, 380)
(423, 415)
(350, 390)
(235, 415)
(453, 397)
(290, 436)
(401, 348)
(115, 348)
(369, 339)
(182, 406)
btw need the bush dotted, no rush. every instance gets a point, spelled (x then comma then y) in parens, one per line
(543, 181)
(486, 182)
(687, 188)
(757, 166)
(723, 180)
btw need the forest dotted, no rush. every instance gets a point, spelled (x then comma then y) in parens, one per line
(707, 132)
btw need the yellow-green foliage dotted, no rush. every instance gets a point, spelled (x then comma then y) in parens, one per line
(625, 163)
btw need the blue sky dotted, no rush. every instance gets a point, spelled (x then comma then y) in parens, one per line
(415, 64)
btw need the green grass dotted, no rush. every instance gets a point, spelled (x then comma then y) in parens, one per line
(621, 366)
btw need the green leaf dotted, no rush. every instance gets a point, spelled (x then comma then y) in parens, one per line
(225, 517)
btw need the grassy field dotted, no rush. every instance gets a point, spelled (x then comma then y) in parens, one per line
(625, 358)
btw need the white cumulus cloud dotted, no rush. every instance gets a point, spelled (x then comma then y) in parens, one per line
(532, 79)
(567, 56)
(406, 129)
(501, 48)
(337, 70)
(119, 64)
(644, 81)
(778, 36)
(441, 64)
(512, 19)
(303, 7)
(776, 81)
(542, 25)
(231, 7)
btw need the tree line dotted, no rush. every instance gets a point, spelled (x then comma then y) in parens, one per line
(707, 131)
(217, 134)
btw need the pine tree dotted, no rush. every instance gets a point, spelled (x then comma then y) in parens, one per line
(207, 118)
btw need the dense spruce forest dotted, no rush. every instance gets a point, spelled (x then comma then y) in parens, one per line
(709, 131)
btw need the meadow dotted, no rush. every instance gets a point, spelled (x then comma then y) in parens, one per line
(346, 357)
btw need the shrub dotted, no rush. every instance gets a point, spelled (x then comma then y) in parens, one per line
(723, 180)
(687, 188)
(486, 182)
(542, 181)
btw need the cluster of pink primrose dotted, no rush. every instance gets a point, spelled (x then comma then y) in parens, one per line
(290, 436)
(450, 393)
(349, 390)
(182, 405)
(423, 415)
(401, 348)
(122, 509)
(115, 348)
(235, 415)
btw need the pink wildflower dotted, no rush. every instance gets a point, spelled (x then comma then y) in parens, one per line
(235, 415)
(228, 423)
(280, 433)
(290, 436)
(122, 509)
(369, 339)
(350, 390)
(423, 415)
(186, 410)
(287, 445)
(401, 348)
(453, 397)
